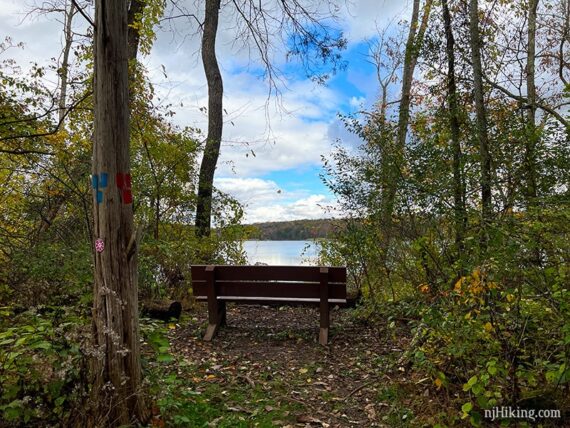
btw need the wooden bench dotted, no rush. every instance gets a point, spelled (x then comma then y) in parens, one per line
(312, 285)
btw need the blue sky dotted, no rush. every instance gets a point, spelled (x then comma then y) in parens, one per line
(288, 134)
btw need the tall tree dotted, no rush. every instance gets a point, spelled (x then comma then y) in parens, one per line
(64, 68)
(50, 212)
(481, 122)
(116, 368)
(531, 141)
(215, 119)
(393, 154)
(453, 108)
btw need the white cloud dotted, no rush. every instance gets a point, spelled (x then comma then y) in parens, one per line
(250, 190)
(283, 134)
(312, 207)
(357, 102)
(265, 201)
(361, 18)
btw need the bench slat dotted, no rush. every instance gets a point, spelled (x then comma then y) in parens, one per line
(269, 289)
(263, 300)
(266, 273)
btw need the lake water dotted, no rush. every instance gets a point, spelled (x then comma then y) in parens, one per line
(281, 252)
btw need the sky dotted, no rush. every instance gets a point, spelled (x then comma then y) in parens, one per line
(271, 156)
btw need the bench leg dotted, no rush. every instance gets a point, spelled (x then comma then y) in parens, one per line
(324, 336)
(216, 308)
(216, 318)
(325, 323)
(211, 331)
(324, 307)
(222, 306)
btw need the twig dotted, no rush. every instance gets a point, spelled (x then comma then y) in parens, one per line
(354, 391)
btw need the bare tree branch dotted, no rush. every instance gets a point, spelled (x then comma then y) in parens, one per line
(56, 128)
(82, 12)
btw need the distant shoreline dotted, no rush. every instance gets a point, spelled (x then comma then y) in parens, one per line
(295, 230)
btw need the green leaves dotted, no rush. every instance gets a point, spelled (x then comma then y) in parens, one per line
(156, 336)
(472, 381)
(38, 367)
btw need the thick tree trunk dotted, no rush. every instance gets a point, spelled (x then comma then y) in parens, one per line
(532, 138)
(116, 369)
(481, 123)
(215, 120)
(452, 102)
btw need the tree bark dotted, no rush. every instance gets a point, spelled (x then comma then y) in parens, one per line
(116, 369)
(215, 120)
(453, 108)
(481, 123)
(532, 138)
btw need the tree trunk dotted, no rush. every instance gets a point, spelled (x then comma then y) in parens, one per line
(531, 141)
(215, 120)
(64, 69)
(116, 368)
(481, 123)
(393, 159)
(49, 213)
(135, 10)
(452, 101)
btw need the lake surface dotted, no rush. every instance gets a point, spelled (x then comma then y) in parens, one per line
(281, 252)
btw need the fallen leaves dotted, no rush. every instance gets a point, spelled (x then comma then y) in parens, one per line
(274, 369)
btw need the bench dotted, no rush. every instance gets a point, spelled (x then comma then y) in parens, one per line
(297, 285)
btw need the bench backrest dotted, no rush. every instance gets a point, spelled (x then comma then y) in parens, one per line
(269, 283)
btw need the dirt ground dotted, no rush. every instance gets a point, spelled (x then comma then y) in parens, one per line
(345, 384)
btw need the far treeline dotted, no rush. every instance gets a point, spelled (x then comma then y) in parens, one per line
(294, 230)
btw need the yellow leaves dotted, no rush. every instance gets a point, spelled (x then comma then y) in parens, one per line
(474, 284)
(476, 275)
(459, 284)
(440, 380)
(424, 288)
(510, 297)
(488, 327)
